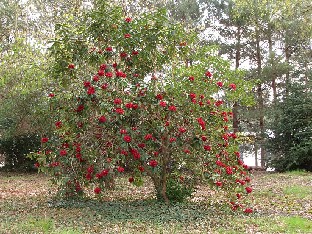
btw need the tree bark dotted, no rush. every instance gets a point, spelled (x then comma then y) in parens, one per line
(237, 62)
(260, 98)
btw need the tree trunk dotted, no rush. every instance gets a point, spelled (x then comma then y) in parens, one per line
(260, 98)
(271, 56)
(237, 61)
(256, 155)
(287, 78)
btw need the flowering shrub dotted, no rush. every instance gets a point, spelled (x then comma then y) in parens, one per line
(141, 99)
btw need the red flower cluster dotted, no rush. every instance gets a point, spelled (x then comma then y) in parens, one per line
(44, 139)
(202, 123)
(127, 138)
(153, 163)
(97, 190)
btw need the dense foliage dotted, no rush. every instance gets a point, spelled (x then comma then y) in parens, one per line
(139, 94)
(290, 141)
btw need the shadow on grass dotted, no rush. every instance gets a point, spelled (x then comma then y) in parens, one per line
(149, 210)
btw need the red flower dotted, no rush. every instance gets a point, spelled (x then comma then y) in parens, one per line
(44, 139)
(103, 66)
(86, 84)
(123, 54)
(104, 172)
(148, 137)
(172, 108)
(127, 138)
(218, 103)
(238, 195)
(109, 74)
(207, 147)
(128, 19)
(135, 154)
(109, 49)
(101, 72)
(191, 78)
(117, 101)
(219, 183)
(90, 169)
(58, 124)
(202, 123)
(141, 145)
(219, 163)
(172, 139)
(187, 151)
(129, 105)
(51, 95)
(153, 163)
(225, 136)
(124, 152)
(141, 168)
(102, 119)
(135, 52)
(88, 176)
(123, 131)
(97, 190)
(96, 78)
(121, 74)
(247, 179)
(36, 165)
(119, 111)
(120, 169)
(229, 170)
(182, 130)
(104, 86)
(232, 86)
(159, 96)
(248, 189)
(192, 95)
(71, 66)
(248, 211)
(163, 103)
(131, 179)
(204, 138)
(208, 74)
(220, 84)
(127, 35)
(91, 90)
(63, 152)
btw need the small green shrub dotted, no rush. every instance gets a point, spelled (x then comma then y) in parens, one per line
(179, 189)
(15, 150)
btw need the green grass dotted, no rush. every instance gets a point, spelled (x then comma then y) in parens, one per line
(297, 225)
(37, 225)
(297, 173)
(298, 191)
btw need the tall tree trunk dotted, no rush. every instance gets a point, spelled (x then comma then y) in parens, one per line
(256, 154)
(237, 62)
(260, 98)
(287, 58)
(271, 56)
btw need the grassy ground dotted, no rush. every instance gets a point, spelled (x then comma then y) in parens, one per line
(282, 204)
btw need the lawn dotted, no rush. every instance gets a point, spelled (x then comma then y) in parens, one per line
(281, 202)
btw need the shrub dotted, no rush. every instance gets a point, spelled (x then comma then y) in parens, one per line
(15, 150)
(135, 99)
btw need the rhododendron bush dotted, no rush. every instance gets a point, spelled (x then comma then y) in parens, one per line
(140, 97)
